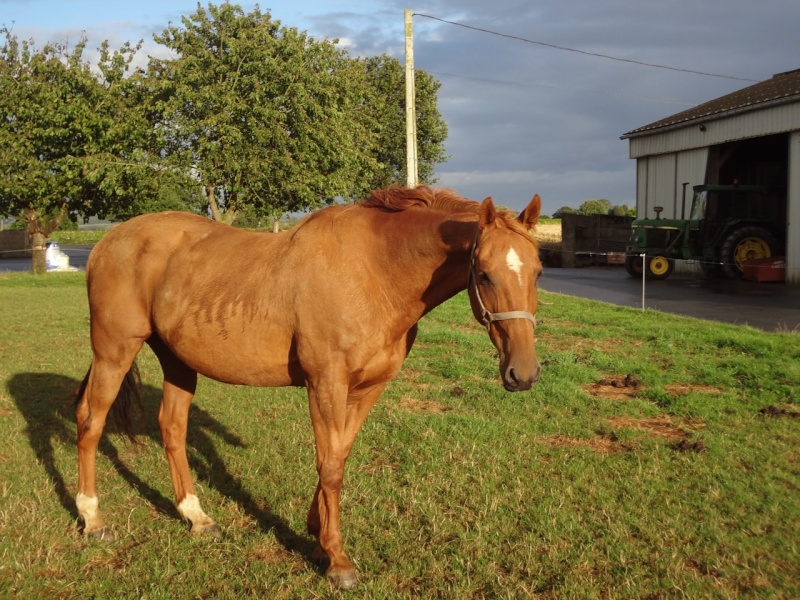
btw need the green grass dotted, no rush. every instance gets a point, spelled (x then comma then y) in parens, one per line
(456, 489)
(89, 236)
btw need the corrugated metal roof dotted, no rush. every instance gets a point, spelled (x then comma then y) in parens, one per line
(780, 89)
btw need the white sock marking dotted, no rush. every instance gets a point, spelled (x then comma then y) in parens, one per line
(514, 263)
(87, 507)
(189, 508)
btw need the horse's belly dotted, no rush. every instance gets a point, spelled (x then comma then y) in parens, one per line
(234, 353)
(237, 365)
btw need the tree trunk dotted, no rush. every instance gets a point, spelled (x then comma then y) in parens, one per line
(212, 203)
(39, 228)
(38, 264)
(220, 217)
(276, 224)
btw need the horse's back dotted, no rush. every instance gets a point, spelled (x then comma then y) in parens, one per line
(159, 233)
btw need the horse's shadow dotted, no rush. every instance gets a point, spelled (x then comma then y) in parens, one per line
(46, 401)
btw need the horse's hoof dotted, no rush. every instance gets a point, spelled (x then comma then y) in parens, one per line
(212, 531)
(103, 534)
(344, 580)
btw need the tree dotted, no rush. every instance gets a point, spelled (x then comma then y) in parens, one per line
(72, 143)
(622, 210)
(263, 115)
(386, 78)
(594, 207)
(564, 210)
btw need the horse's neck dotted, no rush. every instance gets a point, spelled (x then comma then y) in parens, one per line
(440, 268)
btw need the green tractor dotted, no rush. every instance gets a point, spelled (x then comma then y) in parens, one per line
(728, 225)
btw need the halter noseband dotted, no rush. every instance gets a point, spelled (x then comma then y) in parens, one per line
(487, 317)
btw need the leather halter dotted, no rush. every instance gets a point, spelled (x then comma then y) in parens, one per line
(487, 317)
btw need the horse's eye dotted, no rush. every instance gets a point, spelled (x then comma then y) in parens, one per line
(484, 278)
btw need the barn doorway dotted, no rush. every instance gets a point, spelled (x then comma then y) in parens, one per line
(757, 161)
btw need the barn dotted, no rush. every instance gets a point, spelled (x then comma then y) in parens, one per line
(749, 137)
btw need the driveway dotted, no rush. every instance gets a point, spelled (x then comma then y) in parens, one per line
(767, 306)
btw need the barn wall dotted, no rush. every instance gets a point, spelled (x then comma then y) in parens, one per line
(660, 181)
(793, 216)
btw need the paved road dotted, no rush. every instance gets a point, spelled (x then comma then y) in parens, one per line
(768, 306)
(78, 256)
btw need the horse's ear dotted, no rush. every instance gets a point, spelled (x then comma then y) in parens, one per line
(488, 213)
(530, 216)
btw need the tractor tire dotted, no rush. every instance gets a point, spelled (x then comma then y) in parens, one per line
(655, 265)
(658, 267)
(743, 244)
(633, 265)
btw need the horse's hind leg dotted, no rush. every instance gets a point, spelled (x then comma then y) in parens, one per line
(101, 388)
(180, 382)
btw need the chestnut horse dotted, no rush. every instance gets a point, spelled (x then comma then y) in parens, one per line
(331, 305)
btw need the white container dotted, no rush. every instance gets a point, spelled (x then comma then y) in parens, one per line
(51, 255)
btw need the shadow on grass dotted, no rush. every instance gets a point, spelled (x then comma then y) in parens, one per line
(46, 401)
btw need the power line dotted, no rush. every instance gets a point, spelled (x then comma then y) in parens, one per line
(539, 85)
(626, 60)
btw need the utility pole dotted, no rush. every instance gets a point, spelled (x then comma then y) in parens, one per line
(411, 113)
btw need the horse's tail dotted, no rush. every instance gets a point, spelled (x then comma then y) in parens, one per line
(127, 403)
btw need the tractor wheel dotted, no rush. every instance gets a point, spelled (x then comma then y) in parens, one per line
(633, 265)
(747, 243)
(658, 267)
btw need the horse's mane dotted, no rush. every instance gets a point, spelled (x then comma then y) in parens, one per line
(396, 198)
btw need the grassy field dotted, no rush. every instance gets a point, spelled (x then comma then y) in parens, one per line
(656, 458)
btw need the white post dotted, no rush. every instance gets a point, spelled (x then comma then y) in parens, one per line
(644, 267)
(411, 113)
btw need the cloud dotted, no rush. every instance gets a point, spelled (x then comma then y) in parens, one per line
(522, 117)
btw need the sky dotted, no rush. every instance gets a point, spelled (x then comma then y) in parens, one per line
(537, 101)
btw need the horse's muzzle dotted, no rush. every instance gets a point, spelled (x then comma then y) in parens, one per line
(515, 381)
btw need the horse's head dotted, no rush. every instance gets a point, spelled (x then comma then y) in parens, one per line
(504, 272)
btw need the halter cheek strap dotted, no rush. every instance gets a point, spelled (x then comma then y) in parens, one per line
(487, 317)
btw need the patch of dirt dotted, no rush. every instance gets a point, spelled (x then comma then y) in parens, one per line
(687, 446)
(560, 342)
(414, 405)
(660, 427)
(783, 410)
(617, 387)
(681, 389)
(621, 387)
(607, 442)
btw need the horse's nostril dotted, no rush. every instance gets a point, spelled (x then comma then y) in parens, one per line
(512, 376)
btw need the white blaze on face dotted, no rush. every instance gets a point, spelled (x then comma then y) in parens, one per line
(514, 263)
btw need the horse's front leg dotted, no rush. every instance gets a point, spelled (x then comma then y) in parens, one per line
(337, 416)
